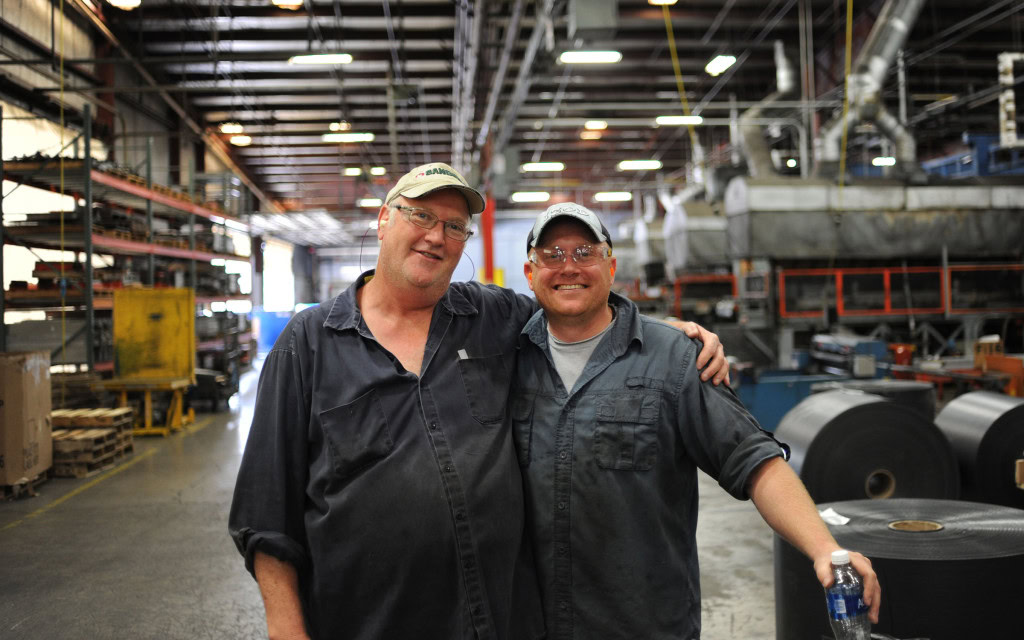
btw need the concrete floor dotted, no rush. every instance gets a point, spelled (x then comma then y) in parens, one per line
(142, 551)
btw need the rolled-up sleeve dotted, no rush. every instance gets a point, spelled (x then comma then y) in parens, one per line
(721, 436)
(269, 500)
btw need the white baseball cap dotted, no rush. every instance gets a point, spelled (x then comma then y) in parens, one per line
(428, 178)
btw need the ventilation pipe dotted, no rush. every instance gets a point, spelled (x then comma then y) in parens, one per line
(887, 37)
(755, 148)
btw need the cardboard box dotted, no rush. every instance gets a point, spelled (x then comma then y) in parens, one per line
(26, 444)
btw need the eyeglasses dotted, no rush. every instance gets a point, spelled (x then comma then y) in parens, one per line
(583, 255)
(427, 220)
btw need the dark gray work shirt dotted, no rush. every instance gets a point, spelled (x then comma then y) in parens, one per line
(611, 482)
(396, 496)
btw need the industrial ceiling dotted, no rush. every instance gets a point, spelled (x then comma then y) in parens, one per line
(479, 84)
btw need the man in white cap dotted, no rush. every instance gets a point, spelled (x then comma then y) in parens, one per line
(610, 423)
(379, 495)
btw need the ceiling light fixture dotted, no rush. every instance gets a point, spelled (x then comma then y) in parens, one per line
(291, 5)
(531, 196)
(378, 171)
(125, 5)
(791, 163)
(231, 128)
(661, 2)
(884, 161)
(613, 196)
(639, 165)
(678, 120)
(719, 64)
(542, 166)
(590, 57)
(321, 58)
(595, 125)
(590, 135)
(340, 126)
(370, 202)
(241, 140)
(347, 137)
(353, 171)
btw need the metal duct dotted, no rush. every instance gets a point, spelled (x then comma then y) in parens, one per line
(751, 133)
(887, 37)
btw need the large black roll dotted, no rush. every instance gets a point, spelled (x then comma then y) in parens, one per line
(949, 570)
(910, 393)
(987, 433)
(848, 445)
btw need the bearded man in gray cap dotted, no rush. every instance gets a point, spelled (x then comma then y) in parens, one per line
(611, 422)
(379, 494)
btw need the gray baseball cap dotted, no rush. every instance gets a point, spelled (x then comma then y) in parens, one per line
(567, 210)
(432, 177)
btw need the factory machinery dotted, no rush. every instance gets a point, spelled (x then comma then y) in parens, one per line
(875, 321)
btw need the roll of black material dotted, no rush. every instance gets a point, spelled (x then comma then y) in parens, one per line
(986, 431)
(848, 445)
(949, 570)
(919, 396)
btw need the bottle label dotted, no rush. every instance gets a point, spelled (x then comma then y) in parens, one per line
(844, 607)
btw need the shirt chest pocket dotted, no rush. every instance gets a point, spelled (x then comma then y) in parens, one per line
(486, 380)
(356, 434)
(626, 430)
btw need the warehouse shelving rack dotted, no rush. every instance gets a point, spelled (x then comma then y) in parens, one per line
(127, 192)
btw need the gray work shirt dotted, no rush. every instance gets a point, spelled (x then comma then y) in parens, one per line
(611, 480)
(396, 496)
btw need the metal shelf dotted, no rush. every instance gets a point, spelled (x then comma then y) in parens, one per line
(48, 237)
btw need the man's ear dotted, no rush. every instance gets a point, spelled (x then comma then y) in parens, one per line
(528, 272)
(613, 266)
(383, 218)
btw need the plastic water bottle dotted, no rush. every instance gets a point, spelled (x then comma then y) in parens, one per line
(847, 612)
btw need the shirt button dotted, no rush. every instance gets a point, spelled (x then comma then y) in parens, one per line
(561, 550)
(460, 515)
(563, 455)
(561, 505)
(448, 468)
(433, 425)
(563, 605)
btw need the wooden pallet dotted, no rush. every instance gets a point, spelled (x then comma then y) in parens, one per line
(80, 418)
(82, 469)
(25, 489)
(83, 445)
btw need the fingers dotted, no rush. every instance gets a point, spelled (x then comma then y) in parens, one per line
(872, 589)
(691, 329)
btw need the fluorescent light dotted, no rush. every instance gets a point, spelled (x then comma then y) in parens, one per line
(791, 163)
(347, 137)
(321, 58)
(531, 196)
(542, 166)
(125, 5)
(230, 127)
(353, 171)
(378, 171)
(370, 202)
(720, 64)
(590, 57)
(291, 5)
(679, 120)
(639, 165)
(884, 161)
(590, 135)
(340, 126)
(595, 125)
(613, 196)
(660, 2)
(241, 140)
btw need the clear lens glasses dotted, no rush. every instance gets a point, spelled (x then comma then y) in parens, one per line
(583, 255)
(427, 220)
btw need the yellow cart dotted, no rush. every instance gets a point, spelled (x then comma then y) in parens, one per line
(177, 418)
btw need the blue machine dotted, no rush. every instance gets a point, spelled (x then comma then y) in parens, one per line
(771, 394)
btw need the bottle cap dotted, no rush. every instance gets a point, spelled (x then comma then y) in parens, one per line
(842, 556)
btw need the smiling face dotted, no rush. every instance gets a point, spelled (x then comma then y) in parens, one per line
(422, 258)
(571, 295)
